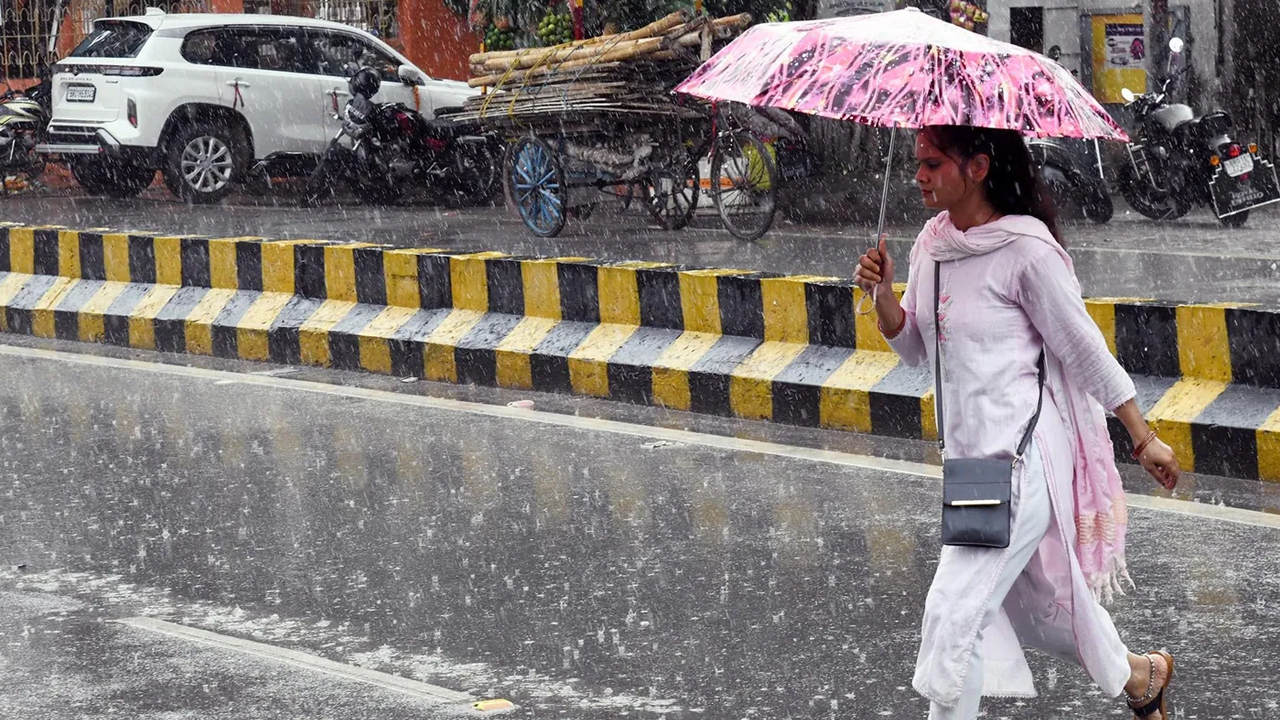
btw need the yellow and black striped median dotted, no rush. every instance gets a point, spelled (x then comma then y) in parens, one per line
(723, 342)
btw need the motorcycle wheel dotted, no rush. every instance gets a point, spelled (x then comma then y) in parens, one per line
(1235, 221)
(372, 181)
(1157, 206)
(478, 174)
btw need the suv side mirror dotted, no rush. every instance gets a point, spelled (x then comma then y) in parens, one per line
(411, 75)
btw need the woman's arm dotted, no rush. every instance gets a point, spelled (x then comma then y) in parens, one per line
(1153, 453)
(1048, 294)
(897, 319)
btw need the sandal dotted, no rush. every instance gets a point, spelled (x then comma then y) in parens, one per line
(1152, 700)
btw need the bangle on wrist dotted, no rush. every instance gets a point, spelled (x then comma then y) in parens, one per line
(1137, 450)
(891, 335)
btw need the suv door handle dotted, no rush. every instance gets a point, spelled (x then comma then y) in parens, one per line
(240, 83)
(343, 93)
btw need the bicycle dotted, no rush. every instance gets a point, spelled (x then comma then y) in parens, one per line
(742, 179)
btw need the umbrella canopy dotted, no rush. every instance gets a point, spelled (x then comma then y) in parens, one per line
(901, 69)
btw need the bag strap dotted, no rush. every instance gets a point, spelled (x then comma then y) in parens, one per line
(937, 376)
(937, 358)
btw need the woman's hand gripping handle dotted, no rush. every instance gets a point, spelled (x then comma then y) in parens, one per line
(875, 276)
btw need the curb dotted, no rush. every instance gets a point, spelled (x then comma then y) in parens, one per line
(717, 341)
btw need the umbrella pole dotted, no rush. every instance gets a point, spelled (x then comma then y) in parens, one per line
(884, 205)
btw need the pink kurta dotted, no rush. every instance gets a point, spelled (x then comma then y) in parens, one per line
(997, 311)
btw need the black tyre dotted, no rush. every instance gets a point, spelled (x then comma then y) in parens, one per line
(1235, 221)
(112, 178)
(203, 161)
(479, 173)
(744, 182)
(371, 179)
(1148, 201)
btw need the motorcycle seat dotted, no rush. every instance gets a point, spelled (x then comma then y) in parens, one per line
(1210, 126)
(444, 129)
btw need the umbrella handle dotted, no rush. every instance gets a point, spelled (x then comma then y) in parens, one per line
(884, 203)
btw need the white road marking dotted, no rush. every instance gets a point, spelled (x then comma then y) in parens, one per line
(386, 681)
(834, 457)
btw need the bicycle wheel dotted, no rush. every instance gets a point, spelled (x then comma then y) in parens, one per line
(671, 195)
(744, 180)
(537, 187)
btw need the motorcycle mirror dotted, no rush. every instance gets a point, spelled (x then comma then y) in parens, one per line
(1176, 45)
(411, 75)
(1127, 94)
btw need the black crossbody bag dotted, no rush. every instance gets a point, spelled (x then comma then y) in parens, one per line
(976, 493)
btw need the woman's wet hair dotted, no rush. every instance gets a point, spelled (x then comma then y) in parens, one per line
(1013, 185)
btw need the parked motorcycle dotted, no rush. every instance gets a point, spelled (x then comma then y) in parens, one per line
(383, 148)
(1179, 160)
(1072, 171)
(23, 118)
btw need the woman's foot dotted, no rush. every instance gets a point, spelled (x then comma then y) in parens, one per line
(1148, 678)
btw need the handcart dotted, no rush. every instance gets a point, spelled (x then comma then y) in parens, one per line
(597, 118)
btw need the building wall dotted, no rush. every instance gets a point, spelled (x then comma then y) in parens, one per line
(1063, 27)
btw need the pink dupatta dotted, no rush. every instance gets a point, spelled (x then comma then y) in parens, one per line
(1101, 514)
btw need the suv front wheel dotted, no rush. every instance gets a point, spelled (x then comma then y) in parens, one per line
(202, 160)
(113, 178)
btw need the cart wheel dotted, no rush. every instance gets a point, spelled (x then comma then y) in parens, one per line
(744, 180)
(537, 187)
(671, 199)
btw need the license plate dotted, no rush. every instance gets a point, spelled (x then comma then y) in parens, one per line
(81, 93)
(1236, 167)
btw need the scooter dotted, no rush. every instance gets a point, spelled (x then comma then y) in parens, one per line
(23, 118)
(1073, 171)
(383, 148)
(1179, 160)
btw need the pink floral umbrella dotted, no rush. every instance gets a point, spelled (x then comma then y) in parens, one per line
(901, 69)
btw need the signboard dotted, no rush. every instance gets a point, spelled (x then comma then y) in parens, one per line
(1119, 56)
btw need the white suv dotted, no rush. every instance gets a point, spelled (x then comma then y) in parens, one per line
(210, 100)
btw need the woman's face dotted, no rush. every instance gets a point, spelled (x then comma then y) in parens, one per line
(942, 181)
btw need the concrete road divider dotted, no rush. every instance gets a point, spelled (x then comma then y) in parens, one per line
(724, 342)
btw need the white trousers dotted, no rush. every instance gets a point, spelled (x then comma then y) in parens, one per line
(1021, 584)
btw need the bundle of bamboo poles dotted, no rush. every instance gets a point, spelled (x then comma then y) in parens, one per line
(659, 41)
(627, 75)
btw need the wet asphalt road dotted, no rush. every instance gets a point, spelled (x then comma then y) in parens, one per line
(582, 569)
(63, 660)
(1193, 259)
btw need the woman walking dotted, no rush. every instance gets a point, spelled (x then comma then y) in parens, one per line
(1006, 292)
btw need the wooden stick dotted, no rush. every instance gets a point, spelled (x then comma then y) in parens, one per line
(551, 55)
(653, 29)
(500, 71)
